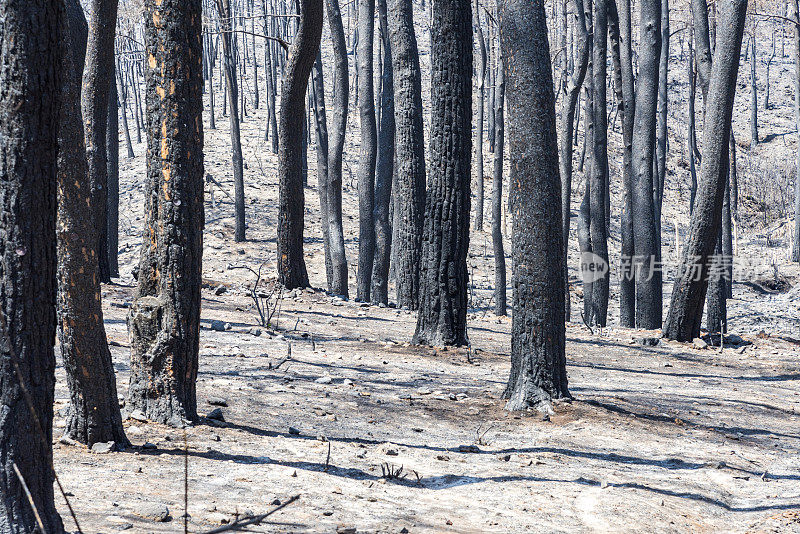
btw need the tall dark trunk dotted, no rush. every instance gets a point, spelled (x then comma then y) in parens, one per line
(30, 77)
(368, 150)
(567, 125)
(442, 316)
(112, 201)
(753, 92)
(599, 169)
(409, 153)
(716, 310)
(692, 138)
(232, 90)
(689, 292)
(97, 79)
(480, 74)
(497, 197)
(384, 172)
(538, 361)
(661, 123)
(645, 238)
(164, 321)
(123, 93)
(291, 204)
(94, 413)
(338, 282)
(627, 284)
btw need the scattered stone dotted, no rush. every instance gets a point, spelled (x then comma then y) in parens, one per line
(468, 448)
(134, 430)
(220, 290)
(294, 431)
(391, 452)
(218, 518)
(343, 529)
(648, 341)
(137, 415)
(152, 511)
(424, 391)
(215, 415)
(276, 502)
(443, 458)
(217, 325)
(699, 343)
(66, 440)
(103, 448)
(324, 380)
(149, 446)
(217, 401)
(254, 331)
(327, 513)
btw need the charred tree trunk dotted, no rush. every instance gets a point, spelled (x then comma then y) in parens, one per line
(661, 124)
(321, 131)
(94, 413)
(97, 79)
(291, 204)
(338, 282)
(753, 92)
(497, 196)
(112, 202)
(164, 321)
(796, 53)
(368, 150)
(645, 238)
(565, 146)
(409, 153)
(538, 361)
(30, 78)
(689, 292)
(384, 172)
(442, 316)
(232, 89)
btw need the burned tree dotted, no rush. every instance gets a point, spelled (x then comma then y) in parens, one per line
(442, 316)
(291, 265)
(538, 362)
(409, 153)
(30, 78)
(94, 412)
(164, 321)
(689, 292)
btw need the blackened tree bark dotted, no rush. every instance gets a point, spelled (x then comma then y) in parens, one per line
(97, 79)
(599, 167)
(753, 91)
(645, 239)
(689, 292)
(442, 316)
(112, 160)
(164, 322)
(368, 150)
(627, 284)
(338, 282)
(480, 74)
(497, 196)
(384, 172)
(538, 361)
(291, 204)
(94, 414)
(409, 153)
(660, 173)
(232, 89)
(30, 78)
(573, 93)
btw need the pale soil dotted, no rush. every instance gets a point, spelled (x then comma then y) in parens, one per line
(667, 438)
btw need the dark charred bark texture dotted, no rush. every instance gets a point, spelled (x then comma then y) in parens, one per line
(627, 284)
(442, 316)
(598, 175)
(538, 361)
(291, 204)
(384, 171)
(97, 79)
(573, 93)
(795, 6)
(660, 160)
(94, 413)
(368, 150)
(689, 292)
(30, 78)
(164, 322)
(338, 282)
(645, 238)
(321, 131)
(232, 89)
(409, 153)
(497, 197)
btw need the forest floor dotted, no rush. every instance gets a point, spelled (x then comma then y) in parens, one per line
(666, 438)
